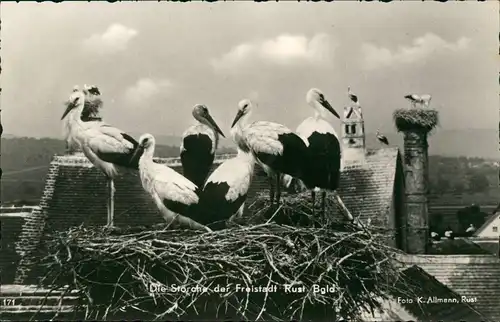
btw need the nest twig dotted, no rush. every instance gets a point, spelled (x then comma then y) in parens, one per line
(263, 271)
(416, 119)
(92, 107)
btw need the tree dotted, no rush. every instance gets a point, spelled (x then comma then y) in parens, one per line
(478, 182)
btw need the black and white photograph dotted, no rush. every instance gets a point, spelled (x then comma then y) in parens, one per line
(250, 161)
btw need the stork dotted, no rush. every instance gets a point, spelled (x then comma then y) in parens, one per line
(323, 173)
(275, 147)
(422, 100)
(470, 230)
(382, 138)
(104, 146)
(352, 97)
(226, 189)
(449, 234)
(175, 196)
(435, 236)
(198, 146)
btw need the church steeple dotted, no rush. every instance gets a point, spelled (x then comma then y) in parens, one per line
(353, 135)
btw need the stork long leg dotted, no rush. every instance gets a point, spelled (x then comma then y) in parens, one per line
(241, 211)
(111, 203)
(346, 211)
(313, 199)
(271, 189)
(278, 188)
(323, 202)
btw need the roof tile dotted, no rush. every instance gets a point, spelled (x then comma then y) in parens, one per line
(473, 276)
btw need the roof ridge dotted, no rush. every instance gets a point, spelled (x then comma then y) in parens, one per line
(488, 221)
(450, 259)
(81, 160)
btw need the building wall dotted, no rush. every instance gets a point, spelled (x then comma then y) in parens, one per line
(492, 230)
(10, 230)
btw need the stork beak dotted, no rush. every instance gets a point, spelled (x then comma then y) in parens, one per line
(71, 106)
(214, 124)
(330, 109)
(237, 118)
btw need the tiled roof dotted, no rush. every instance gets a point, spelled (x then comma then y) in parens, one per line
(416, 284)
(473, 276)
(367, 190)
(491, 246)
(457, 246)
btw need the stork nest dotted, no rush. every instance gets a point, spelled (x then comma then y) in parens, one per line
(91, 109)
(292, 273)
(416, 119)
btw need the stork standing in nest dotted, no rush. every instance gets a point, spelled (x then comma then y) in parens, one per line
(276, 148)
(322, 173)
(199, 143)
(226, 189)
(105, 146)
(175, 196)
(422, 100)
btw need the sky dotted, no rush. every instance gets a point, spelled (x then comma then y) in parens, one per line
(154, 61)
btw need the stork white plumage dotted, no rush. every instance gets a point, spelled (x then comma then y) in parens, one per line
(199, 143)
(175, 196)
(104, 145)
(226, 190)
(435, 236)
(353, 97)
(382, 138)
(471, 229)
(423, 100)
(275, 147)
(323, 148)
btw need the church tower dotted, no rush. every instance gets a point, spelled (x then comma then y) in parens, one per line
(353, 136)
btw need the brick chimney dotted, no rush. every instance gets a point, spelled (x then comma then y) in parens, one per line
(416, 123)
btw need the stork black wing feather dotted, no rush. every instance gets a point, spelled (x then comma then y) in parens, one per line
(127, 160)
(294, 158)
(197, 158)
(180, 208)
(213, 208)
(325, 155)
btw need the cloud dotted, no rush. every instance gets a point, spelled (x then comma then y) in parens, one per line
(284, 50)
(112, 40)
(421, 48)
(146, 88)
